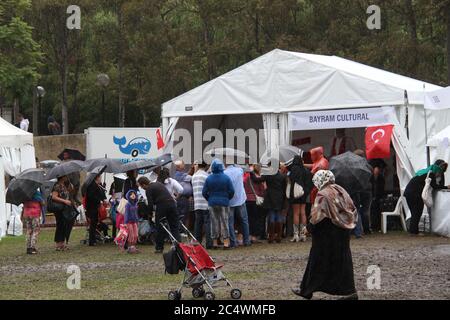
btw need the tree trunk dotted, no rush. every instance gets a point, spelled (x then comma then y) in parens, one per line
(16, 110)
(412, 30)
(65, 114)
(120, 65)
(35, 113)
(448, 45)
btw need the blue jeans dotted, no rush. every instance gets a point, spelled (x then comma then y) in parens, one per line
(358, 231)
(241, 211)
(202, 220)
(275, 216)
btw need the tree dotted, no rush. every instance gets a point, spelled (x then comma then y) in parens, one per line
(20, 55)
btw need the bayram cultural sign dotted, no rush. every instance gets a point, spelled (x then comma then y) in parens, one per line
(334, 119)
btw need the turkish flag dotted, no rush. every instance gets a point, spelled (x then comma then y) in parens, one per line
(159, 139)
(378, 142)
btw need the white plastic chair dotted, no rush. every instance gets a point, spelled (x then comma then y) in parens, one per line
(398, 212)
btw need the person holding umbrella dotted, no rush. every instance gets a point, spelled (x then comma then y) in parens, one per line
(24, 188)
(31, 216)
(61, 195)
(95, 196)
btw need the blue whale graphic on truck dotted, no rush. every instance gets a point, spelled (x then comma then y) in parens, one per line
(137, 146)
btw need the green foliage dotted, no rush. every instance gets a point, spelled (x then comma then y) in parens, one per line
(20, 54)
(167, 47)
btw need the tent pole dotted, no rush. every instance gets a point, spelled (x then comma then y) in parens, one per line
(426, 129)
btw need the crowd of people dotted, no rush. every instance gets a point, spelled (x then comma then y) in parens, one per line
(227, 207)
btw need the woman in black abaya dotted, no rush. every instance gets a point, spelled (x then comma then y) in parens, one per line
(330, 265)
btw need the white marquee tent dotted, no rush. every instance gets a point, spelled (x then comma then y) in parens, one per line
(16, 155)
(280, 83)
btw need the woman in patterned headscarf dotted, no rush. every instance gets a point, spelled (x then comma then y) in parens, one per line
(330, 265)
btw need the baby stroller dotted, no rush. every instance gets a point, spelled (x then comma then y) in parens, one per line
(101, 231)
(199, 267)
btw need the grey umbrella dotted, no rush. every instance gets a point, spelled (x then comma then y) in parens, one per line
(352, 172)
(91, 177)
(164, 159)
(37, 175)
(138, 165)
(112, 165)
(65, 169)
(230, 154)
(285, 154)
(21, 190)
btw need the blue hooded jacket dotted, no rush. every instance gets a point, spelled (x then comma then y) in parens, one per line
(131, 209)
(218, 189)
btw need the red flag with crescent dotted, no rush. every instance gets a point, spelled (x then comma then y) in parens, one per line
(378, 142)
(159, 139)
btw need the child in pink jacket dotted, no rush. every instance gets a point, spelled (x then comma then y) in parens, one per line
(31, 216)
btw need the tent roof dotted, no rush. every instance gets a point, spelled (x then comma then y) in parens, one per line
(13, 137)
(284, 81)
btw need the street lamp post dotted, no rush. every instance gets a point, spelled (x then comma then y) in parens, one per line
(40, 91)
(103, 81)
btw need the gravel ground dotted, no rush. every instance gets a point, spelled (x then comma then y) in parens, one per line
(411, 268)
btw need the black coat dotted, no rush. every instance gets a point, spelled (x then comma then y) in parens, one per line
(302, 176)
(416, 185)
(330, 265)
(94, 196)
(275, 194)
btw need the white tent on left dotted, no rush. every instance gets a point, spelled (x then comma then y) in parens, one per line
(16, 155)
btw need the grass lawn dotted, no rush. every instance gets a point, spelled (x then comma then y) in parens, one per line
(411, 268)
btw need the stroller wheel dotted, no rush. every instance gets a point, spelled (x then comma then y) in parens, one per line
(174, 295)
(210, 296)
(198, 292)
(236, 294)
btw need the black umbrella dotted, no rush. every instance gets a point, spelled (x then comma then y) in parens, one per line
(164, 159)
(138, 165)
(112, 165)
(65, 169)
(93, 174)
(21, 190)
(73, 155)
(352, 172)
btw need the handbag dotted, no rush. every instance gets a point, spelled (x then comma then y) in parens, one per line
(102, 212)
(259, 200)
(53, 206)
(298, 190)
(123, 202)
(70, 213)
(427, 193)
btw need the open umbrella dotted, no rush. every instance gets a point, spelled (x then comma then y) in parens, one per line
(352, 172)
(138, 165)
(65, 169)
(164, 159)
(112, 165)
(48, 164)
(37, 175)
(91, 177)
(24, 185)
(285, 154)
(21, 190)
(229, 153)
(73, 155)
